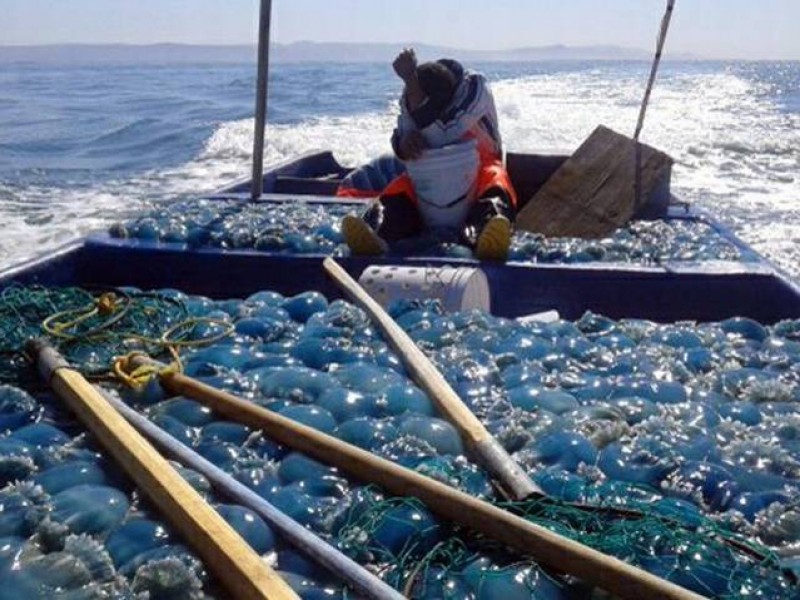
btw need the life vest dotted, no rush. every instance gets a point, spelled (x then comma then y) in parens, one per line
(372, 178)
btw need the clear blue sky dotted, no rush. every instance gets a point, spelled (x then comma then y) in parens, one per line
(715, 28)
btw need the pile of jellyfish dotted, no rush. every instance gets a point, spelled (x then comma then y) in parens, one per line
(309, 228)
(695, 422)
(71, 526)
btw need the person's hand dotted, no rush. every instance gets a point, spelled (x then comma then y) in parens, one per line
(412, 145)
(405, 65)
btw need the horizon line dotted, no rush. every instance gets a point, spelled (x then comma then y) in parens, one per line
(681, 55)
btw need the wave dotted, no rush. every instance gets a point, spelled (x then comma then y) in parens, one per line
(737, 153)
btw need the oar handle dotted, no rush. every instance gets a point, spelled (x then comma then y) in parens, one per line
(237, 566)
(292, 532)
(547, 547)
(513, 482)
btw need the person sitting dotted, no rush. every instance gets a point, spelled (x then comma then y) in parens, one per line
(448, 138)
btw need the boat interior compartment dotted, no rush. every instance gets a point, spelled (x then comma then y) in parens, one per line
(702, 293)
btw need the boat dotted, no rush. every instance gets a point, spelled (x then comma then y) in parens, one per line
(741, 306)
(673, 290)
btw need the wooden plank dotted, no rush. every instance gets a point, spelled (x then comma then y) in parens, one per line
(593, 192)
(237, 566)
(487, 451)
(545, 546)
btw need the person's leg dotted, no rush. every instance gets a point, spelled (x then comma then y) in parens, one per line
(488, 225)
(394, 216)
(487, 229)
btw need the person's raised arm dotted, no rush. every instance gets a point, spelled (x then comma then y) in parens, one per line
(405, 65)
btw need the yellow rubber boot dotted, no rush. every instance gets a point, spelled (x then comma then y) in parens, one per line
(494, 240)
(361, 238)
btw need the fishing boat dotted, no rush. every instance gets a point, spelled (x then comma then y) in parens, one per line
(509, 457)
(667, 290)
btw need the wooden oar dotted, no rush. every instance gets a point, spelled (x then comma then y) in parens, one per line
(366, 584)
(512, 481)
(546, 547)
(237, 566)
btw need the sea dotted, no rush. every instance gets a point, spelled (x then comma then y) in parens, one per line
(84, 146)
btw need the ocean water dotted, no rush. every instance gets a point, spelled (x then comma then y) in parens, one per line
(84, 146)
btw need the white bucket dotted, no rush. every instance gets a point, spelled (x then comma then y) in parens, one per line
(460, 288)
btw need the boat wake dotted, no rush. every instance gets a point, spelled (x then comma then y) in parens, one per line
(737, 150)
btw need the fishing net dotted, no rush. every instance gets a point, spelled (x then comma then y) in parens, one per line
(442, 561)
(411, 548)
(90, 329)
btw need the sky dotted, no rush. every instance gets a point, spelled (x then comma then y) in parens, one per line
(750, 29)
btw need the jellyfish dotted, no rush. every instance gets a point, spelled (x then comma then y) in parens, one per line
(302, 306)
(17, 460)
(700, 482)
(405, 528)
(86, 508)
(366, 432)
(568, 450)
(297, 467)
(439, 434)
(70, 474)
(186, 411)
(533, 397)
(312, 416)
(298, 384)
(636, 466)
(22, 506)
(250, 526)
(367, 379)
(169, 577)
(17, 408)
(81, 569)
(398, 399)
(41, 435)
(747, 328)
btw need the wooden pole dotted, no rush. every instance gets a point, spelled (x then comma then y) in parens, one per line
(513, 482)
(235, 564)
(262, 94)
(341, 566)
(548, 548)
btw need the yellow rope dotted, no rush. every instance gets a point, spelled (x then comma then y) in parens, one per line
(107, 305)
(140, 376)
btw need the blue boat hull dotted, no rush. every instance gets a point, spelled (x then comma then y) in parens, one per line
(665, 293)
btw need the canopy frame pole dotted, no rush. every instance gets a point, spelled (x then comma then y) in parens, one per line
(262, 93)
(662, 38)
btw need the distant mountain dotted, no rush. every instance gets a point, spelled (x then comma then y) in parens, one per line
(298, 52)
(360, 52)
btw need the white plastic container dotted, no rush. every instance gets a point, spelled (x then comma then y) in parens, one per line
(457, 288)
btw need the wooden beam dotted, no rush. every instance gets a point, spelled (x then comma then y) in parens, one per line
(235, 564)
(484, 448)
(546, 547)
(594, 192)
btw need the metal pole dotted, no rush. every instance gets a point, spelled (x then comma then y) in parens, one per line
(262, 87)
(662, 37)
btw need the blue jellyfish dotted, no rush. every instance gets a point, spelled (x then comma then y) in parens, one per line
(17, 408)
(298, 384)
(70, 474)
(567, 450)
(89, 508)
(313, 416)
(366, 432)
(250, 526)
(441, 435)
(302, 306)
(134, 537)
